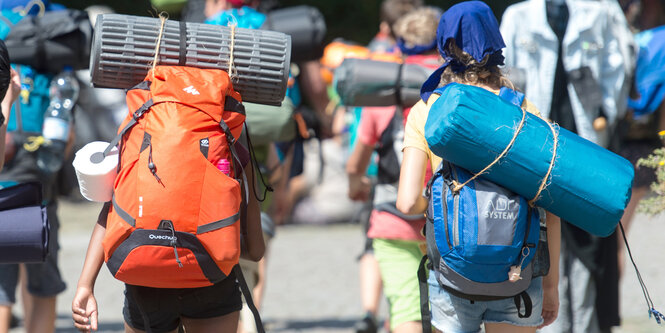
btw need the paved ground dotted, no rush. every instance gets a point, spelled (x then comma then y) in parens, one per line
(313, 284)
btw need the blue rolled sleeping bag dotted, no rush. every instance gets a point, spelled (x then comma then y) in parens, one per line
(589, 186)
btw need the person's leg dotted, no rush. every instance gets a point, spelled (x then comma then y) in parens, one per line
(250, 272)
(503, 316)
(8, 282)
(160, 307)
(212, 309)
(259, 288)
(5, 318)
(583, 299)
(370, 283)
(222, 324)
(268, 226)
(370, 293)
(42, 316)
(44, 283)
(507, 328)
(26, 298)
(451, 313)
(398, 261)
(129, 329)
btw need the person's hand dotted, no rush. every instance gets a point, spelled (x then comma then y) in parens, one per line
(12, 93)
(550, 305)
(14, 86)
(84, 310)
(359, 188)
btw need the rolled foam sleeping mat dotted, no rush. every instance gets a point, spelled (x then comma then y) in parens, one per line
(52, 41)
(365, 82)
(123, 50)
(589, 186)
(24, 225)
(306, 26)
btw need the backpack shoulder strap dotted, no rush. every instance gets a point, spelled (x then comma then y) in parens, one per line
(145, 85)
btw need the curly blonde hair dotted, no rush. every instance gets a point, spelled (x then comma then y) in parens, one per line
(418, 27)
(476, 73)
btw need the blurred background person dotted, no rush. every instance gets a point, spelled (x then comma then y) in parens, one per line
(396, 237)
(576, 61)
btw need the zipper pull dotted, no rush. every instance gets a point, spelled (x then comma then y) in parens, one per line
(175, 249)
(515, 272)
(152, 166)
(168, 225)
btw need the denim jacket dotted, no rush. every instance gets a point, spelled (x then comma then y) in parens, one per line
(597, 42)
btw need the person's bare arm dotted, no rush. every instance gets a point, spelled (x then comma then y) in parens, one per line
(84, 305)
(411, 179)
(356, 166)
(551, 280)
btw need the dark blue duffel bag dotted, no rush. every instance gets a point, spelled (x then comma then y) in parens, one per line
(24, 226)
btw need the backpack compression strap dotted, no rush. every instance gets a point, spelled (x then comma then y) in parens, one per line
(248, 298)
(528, 304)
(425, 314)
(145, 85)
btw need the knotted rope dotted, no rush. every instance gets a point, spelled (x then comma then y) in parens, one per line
(457, 186)
(163, 17)
(233, 72)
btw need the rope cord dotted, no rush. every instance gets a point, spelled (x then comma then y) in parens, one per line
(233, 73)
(163, 17)
(555, 134)
(543, 183)
(457, 186)
(645, 292)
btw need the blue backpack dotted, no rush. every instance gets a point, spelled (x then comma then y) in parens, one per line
(476, 235)
(479, 234)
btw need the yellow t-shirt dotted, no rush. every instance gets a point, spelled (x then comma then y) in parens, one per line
(414, 133)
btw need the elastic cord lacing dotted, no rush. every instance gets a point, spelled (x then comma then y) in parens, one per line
(651, 309)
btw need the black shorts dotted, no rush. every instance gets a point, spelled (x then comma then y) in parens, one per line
(164, 306)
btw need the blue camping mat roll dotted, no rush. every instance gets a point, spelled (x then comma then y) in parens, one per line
(589, 186)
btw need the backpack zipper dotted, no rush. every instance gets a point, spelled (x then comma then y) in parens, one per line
(455, 210)
(444, 203)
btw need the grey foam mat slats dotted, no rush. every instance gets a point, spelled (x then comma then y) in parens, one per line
(123, 51)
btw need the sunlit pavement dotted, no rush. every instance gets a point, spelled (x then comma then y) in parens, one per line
(313, 276)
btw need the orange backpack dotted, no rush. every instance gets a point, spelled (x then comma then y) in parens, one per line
(174, 217)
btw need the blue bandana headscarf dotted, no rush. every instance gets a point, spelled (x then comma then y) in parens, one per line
(473, 28)
(416, 49)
